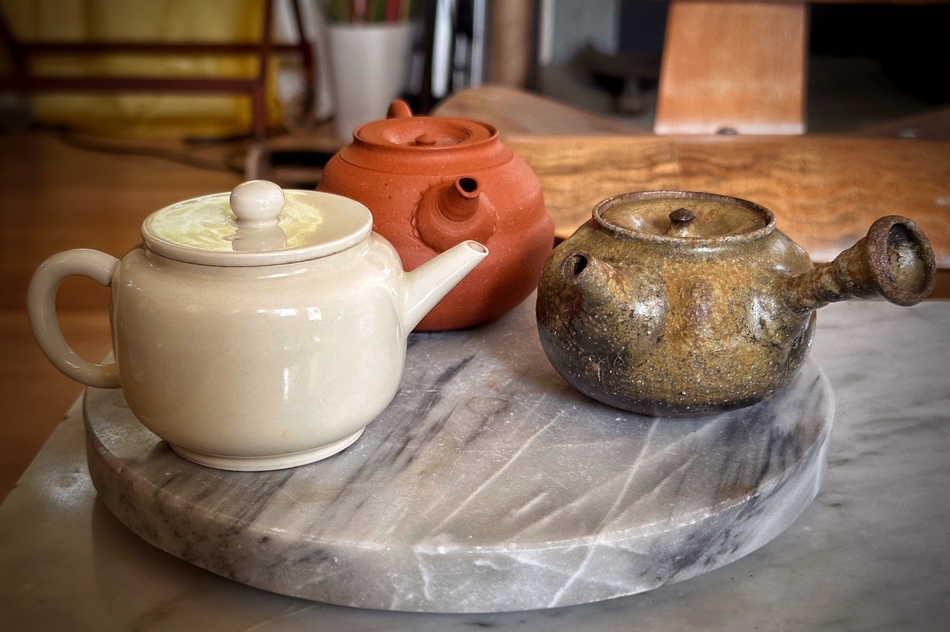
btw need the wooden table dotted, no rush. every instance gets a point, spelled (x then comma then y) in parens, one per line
(824, 190)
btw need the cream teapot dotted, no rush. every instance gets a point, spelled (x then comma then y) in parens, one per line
(253, 331)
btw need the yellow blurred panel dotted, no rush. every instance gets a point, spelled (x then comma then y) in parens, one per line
(148, 114)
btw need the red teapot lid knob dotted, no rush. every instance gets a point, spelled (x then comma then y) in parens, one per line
(426, 139)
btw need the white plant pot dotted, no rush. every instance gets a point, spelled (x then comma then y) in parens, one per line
(369, 66)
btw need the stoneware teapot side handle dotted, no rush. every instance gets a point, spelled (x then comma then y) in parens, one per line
(894, 261)
(41, 307)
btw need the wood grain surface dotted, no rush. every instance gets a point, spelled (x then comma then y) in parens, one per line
(824, 191)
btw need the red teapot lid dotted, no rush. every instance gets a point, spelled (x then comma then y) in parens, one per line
(407, 144)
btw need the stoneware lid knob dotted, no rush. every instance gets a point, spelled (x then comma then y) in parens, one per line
(681, 222)
(682, 216)
(257, 203)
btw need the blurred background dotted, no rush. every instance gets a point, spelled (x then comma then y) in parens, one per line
(866, 62)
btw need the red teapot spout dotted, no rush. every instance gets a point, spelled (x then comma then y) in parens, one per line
(894, 261)
(459, 203)
(450, 213)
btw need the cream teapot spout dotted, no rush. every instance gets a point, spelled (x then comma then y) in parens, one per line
(429, 283)
(894, 261)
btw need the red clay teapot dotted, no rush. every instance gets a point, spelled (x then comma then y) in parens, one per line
(434, 182)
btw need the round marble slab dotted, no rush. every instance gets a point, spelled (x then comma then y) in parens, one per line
(488, 485)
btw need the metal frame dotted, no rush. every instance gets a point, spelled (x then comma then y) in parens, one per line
(23, 80)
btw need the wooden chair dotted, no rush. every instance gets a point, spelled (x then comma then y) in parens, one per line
(733, 67)
(736, 66)
(24, 80)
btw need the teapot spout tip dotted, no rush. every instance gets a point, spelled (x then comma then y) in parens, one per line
(894, 261)
(477, 247)
(430, 282)
(901, 260)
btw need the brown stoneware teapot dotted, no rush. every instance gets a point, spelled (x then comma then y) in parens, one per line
(434, 182)
(680, 304)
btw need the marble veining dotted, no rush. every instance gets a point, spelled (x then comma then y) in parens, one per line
(488, 485)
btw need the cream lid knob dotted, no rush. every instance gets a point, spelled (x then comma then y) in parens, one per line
(257, 203)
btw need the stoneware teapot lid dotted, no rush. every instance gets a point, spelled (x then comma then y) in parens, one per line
(257, 224)
(664, 215)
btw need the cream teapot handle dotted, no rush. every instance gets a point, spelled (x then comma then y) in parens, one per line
(41, 307)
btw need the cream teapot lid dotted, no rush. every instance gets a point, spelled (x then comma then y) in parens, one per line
(257, 224)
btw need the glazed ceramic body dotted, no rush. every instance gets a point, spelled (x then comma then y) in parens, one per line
(674, 313)
(255, 367)
(252, 363)
(433, 182)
